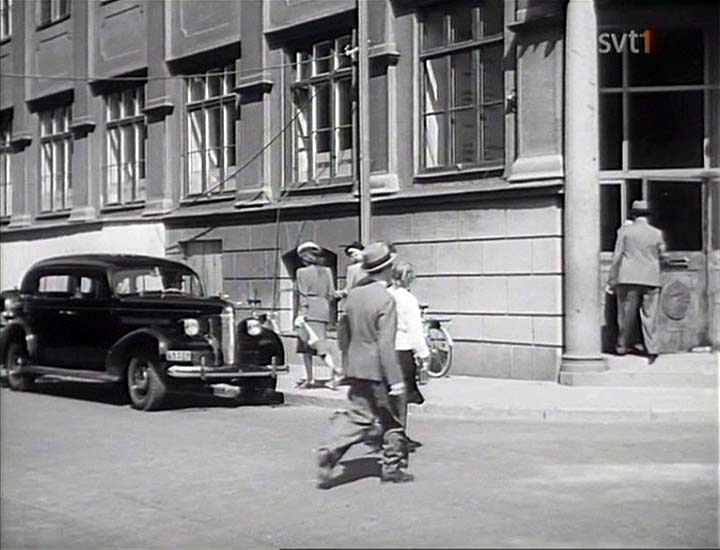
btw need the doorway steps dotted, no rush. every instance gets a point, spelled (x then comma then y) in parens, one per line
(676, 370)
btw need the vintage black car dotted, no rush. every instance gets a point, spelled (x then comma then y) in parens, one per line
(137, 321)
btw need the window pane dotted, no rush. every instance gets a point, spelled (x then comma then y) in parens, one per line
(666, 129)
(342, 60)
(610, 68)
(494, 141)
(464, 80)
(344, 154)
(677, 211)
(676, 57)
(230, 117)
(128, 97)
(322, 154)
(436, 143)
(215, 81)
(196, 88)
(113, 106)
(493, 85)
(462, 23)
(344, 102)
(302, 135)
(322, 53)
(141, 133)
(492, 17)
(304, 65)
(714, 130)
(611, 129)
(195, 172)
(128, 173)
(433, 30)
(436, 84)
(45, 11)
(633, 192)
(322, 102)
(609, 216)
(465, 124)
(195, 131)
(214, 138)
(59, 154)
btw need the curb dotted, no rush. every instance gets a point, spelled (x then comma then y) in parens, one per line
(481, 412)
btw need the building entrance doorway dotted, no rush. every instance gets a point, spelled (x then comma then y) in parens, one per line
(681, 208)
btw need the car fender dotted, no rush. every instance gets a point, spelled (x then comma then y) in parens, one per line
(148, 338)
(278, 347)
(17, 329)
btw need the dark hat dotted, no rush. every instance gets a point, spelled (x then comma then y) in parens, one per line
(640, 207)
(377, 256)
(357, 245)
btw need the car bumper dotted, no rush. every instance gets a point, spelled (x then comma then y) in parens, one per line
(200, 372)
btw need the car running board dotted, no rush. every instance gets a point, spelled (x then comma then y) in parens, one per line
(71, 375)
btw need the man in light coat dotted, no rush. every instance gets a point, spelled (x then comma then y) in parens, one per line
(373, 374)
(635, 276)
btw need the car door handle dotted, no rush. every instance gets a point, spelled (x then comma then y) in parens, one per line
(67, 312)
(682, 263)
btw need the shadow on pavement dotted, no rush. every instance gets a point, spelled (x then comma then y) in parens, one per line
(356, 469)
(112, 395)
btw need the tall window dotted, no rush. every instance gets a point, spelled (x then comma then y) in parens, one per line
(5, 19)
(211, 131)
(126, 139)
(52, 10)
(322, 103)
(659, 97)
(462, 85)
(55, 159)
(5, 184)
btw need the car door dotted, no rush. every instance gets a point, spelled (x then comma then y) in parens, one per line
(50, 318)
(91, 321)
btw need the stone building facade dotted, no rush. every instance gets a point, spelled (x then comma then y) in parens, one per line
(223, 132)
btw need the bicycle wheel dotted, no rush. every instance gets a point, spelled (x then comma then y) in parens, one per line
(441, 351)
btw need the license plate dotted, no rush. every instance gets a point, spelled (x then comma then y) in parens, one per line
(178, 355)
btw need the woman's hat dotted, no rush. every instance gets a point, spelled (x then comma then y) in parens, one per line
(376, 257)
(357, 245)
(308, 246)
(640, 207)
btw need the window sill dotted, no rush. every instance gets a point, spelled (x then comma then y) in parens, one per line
(310, 187)
(442, 174)
(111, 208)
(52, 22)
(5, 220)
(53, 215)
(190, 200)
(5, 39)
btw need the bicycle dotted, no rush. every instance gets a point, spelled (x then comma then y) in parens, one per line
(439, 343)
(267, 319)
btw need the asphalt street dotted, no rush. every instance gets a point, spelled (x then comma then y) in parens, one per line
(81, 471)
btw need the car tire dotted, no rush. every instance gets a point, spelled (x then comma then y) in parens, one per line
(146, 389)
(16, 354)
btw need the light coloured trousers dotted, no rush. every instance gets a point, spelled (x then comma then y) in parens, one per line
(632, 298)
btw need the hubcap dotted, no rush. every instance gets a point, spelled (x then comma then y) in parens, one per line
(139, 381)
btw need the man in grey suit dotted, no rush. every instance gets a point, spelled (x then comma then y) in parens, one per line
(373, 374)
(635, 275)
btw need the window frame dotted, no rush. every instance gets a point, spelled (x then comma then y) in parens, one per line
(307, 78)
(227, 101)
(127, 169)
(54, 140)
(6, 9)
(59, 10)
(6, 198)
(447, 51)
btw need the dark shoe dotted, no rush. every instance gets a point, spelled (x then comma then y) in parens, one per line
(620, 350)
(325, 468)
(398, 476)
(412, 445)
(651, 358)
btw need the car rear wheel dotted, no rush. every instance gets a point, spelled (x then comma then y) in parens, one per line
(146, 389)
(17, 357)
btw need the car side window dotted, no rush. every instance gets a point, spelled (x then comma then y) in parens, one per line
(54, 286)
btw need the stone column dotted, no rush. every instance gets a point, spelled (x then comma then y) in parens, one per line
(159, 104)
(84, 195)
(581, 262)
(21, 124)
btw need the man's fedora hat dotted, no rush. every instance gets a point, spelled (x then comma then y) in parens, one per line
(308, 246)
(640, 207)
(376, 257)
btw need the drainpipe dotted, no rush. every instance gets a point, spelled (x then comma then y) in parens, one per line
(581, 262)
(364, 122)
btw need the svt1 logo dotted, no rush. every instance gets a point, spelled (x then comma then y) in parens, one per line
(644, 42)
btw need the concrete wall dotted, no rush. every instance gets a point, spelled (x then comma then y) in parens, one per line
(18, 254)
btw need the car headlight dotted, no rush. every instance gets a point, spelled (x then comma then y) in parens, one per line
(254, 328)
(191, 326)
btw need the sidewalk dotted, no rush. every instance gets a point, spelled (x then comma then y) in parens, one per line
(489, 398)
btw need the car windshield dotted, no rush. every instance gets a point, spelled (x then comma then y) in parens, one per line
(157, 279)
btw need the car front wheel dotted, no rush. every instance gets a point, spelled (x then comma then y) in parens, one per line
(146, 389)
(16, 357)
